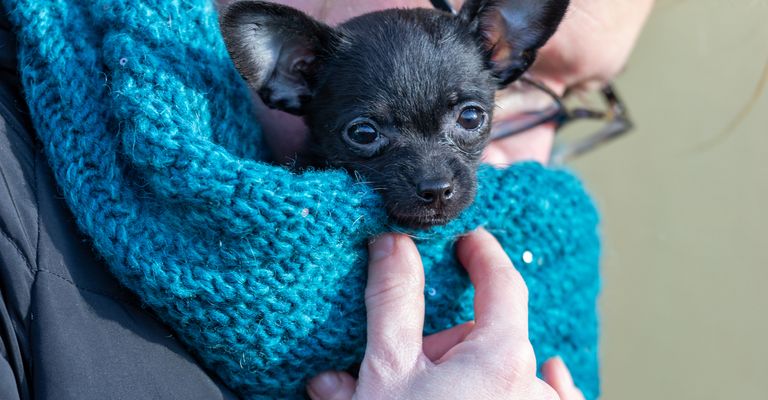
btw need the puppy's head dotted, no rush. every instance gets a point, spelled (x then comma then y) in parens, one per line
(403, 98)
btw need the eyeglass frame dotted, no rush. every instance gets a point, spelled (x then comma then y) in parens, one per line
(619, 122)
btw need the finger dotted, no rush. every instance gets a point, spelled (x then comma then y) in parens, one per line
(556, 374)
(436, 345)
(501, 296)
(331, 385)
(394, 299)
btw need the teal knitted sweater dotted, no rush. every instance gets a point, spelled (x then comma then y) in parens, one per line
(258, 269)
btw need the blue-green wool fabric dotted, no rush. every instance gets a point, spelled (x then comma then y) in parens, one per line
(258, 269)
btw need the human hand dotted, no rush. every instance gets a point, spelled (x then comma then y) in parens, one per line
(489, 358)
(588, 50)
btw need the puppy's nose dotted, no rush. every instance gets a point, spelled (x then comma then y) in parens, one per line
(435, 190)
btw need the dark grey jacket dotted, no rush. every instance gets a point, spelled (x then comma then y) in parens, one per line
(68, 330)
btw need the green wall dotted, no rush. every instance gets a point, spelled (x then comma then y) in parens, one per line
(684, 197)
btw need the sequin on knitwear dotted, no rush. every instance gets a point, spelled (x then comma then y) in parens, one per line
(261, 271)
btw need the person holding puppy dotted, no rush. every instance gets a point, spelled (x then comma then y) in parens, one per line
(473, 360)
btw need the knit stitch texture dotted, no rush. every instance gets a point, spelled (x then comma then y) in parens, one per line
(260, 270)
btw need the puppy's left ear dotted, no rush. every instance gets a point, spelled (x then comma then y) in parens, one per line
(512, 31)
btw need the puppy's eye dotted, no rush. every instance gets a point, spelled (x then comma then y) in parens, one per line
(471, 117)
(362, 133)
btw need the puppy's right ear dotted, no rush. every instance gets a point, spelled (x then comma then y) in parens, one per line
(512, 31)
(276, 49)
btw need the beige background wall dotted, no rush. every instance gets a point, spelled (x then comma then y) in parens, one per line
(684, 201)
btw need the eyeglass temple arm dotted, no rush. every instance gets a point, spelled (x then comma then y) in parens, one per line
(614, 129)
(619, 124)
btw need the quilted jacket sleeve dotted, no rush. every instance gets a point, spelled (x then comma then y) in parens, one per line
(68, 330)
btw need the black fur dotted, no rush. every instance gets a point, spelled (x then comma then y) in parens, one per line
(411, 80)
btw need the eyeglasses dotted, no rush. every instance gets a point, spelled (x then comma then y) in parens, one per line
(528, 103)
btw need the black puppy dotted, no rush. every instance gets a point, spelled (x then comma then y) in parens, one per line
(402, 97)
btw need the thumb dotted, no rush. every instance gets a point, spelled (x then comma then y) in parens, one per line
(331, 385)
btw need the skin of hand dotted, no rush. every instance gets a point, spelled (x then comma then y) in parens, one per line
(489, 358)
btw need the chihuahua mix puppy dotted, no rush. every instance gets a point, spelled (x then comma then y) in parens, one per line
(402, 97)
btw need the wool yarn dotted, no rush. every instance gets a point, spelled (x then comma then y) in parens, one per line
(259, 270)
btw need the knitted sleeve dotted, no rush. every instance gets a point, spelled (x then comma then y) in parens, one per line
(258, 269)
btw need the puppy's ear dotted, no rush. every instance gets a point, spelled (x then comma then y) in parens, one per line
(512, 31)
(276, 49)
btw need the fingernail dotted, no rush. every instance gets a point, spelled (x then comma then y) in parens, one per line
(381, 246)
(325, 385)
